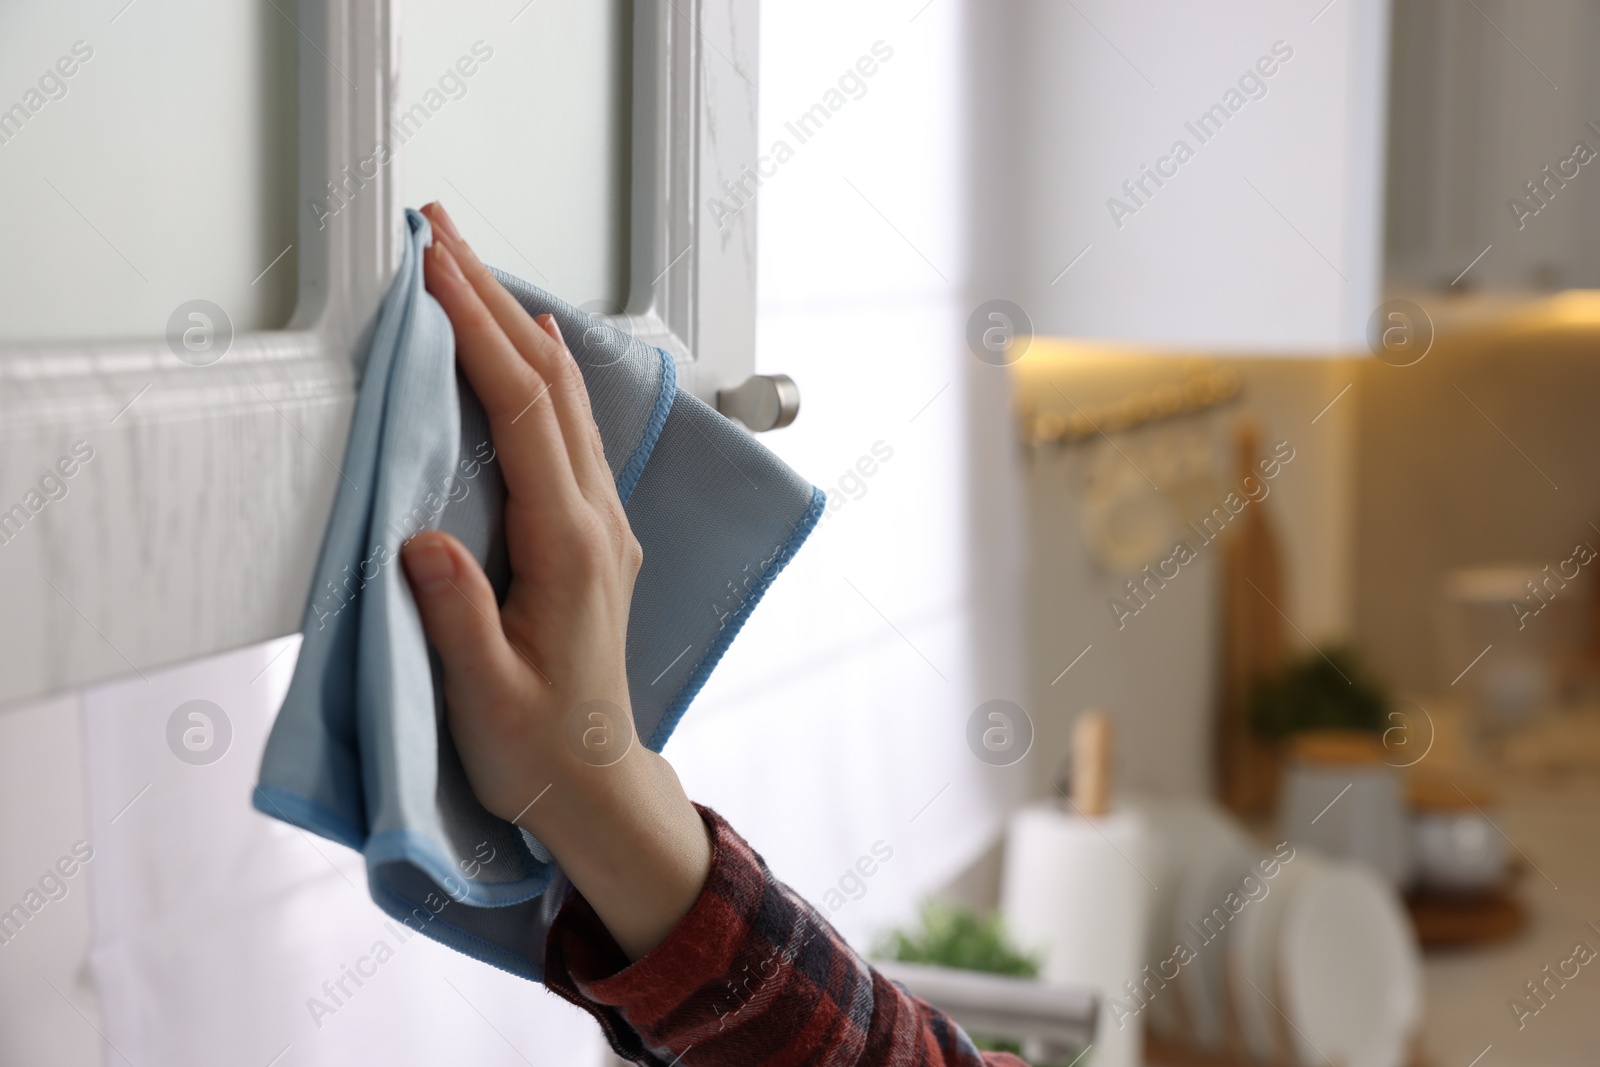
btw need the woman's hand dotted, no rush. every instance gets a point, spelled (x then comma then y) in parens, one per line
(537, 689)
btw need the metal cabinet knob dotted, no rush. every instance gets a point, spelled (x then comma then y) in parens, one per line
(764, 402)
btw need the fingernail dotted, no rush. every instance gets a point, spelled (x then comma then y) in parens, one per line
(445, 222)
(553, 328)
(428, 562)
(447, 262)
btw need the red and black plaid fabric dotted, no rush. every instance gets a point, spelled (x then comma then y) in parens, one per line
(752, 976)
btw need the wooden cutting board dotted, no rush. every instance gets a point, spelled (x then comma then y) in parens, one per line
(1253, 641)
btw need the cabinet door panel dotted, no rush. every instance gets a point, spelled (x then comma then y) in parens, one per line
(522, 129)
(144, 163)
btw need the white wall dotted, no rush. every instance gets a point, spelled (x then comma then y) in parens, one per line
(44, 966)
(1157, 674)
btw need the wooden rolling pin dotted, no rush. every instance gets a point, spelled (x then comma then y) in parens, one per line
(1092, 738)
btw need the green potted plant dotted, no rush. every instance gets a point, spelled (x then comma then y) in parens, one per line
(1318, 692)
(951, 935)
(958, 938)
(1327, 718)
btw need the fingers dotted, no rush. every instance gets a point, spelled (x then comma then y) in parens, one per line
(539, 342)
(458, 609)
(583, 413)
(522, 420)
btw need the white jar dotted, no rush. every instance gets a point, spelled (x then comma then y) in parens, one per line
(1351, 810)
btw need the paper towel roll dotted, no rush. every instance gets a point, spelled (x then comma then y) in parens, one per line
(1073, 888)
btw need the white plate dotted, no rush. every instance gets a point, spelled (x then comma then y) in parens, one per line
(1349, 971)
(1180, 833)
(1253, 956)
(1224, 856)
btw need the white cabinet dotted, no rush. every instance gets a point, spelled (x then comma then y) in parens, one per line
(254, 161)
(1493, 146)
(1199, 175)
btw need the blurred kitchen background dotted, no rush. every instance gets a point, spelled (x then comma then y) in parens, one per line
(1224, 369)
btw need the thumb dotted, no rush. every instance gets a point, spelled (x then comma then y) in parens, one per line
(457, 605)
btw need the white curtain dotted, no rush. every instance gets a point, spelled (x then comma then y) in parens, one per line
(834, 730)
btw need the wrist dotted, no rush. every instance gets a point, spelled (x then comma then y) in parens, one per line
(582, 799)
(631, 842)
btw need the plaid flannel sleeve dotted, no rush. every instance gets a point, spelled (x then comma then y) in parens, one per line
(752, 976)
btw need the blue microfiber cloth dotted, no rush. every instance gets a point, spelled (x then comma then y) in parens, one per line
(360, 752)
